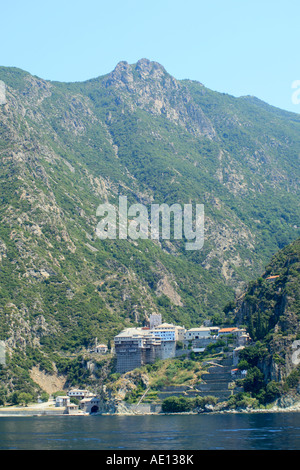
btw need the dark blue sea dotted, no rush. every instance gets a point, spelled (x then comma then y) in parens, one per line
(257, 431)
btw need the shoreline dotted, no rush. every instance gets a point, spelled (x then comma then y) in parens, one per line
(34, 412)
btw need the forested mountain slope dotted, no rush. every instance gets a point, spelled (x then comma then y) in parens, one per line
(270, 308)
(65, 148)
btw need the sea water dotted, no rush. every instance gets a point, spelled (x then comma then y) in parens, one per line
(253, 431)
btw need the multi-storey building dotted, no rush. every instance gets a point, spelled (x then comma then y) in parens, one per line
(138, 346)
(135, 347)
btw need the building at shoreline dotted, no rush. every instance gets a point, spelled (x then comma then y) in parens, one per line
(62, 401)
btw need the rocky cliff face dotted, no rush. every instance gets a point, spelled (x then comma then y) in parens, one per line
(271, 310)
(148, 86)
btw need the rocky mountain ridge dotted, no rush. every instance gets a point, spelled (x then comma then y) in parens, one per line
(65, 148)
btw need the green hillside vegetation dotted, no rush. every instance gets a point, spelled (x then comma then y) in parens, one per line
(65, 148)
(271, 304)
(270, 309)
(175, 372)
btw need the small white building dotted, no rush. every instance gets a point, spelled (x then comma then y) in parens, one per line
(243, 340)
(72, 409)
(201, 332)
(62, 401)
(100, 349)
(80, 394)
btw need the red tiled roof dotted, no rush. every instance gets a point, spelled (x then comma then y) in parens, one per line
(226, 330)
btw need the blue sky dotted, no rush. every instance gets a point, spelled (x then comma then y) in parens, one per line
(240, 47)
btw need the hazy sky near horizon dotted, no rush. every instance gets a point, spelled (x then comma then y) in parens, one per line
(240, 47)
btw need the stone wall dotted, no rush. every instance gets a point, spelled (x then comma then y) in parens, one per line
(144, 408)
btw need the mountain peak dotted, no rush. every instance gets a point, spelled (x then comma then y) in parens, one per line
(148, 67)
(144, 69)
